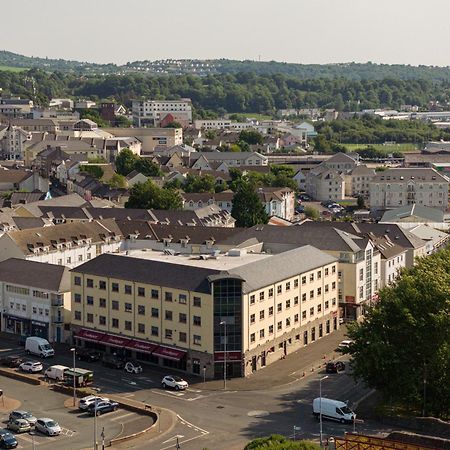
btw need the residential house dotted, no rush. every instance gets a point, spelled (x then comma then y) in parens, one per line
(12, 142)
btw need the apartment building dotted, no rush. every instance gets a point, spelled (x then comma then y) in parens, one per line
(178, 312)
(151, 112)
(12, 143)
(357, 181)
(35, 299)
(405, 186)
(323, 183)
(224, 160)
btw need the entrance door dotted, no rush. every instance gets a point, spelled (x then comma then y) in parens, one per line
(328, 326)
(313, 334)
(263, 359)
(18, 327)
(58, 334)
(196, 366)
(253, 363)
(305, 338)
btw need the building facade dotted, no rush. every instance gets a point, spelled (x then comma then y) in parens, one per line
(150, 112)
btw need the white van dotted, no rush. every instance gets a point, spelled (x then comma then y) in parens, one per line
(39, 346)
(56, 372)
(333, 409)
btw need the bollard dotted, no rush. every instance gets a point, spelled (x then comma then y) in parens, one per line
(303, 374)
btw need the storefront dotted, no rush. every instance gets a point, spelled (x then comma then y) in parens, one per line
(39, 329)
(17, 325)
(233, 362)
(171, 357)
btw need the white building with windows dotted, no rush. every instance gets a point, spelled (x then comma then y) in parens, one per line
(150, 112)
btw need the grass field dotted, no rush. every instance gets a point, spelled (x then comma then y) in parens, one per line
(11, 69)
(256, 116)
(389, 148)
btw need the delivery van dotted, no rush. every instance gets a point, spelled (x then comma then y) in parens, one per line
(333, 409)
(56, 372)
(39, 346)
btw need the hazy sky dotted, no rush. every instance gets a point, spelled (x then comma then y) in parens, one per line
(305, 31)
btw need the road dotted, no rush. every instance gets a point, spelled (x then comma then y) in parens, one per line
(228, 419)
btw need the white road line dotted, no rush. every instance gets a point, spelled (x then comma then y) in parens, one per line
(194, 426)
(122, 416)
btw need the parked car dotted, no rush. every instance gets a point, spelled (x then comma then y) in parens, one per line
(7, 440)
(48, 426)
(304, 197)
(174, 382)
(85, 403)
(327, 203)
(19, 425)
(344, 345)
(113, 361)
(133, 367)
(19, 414)
(11, 361)
(300, 209)
(31, 367)
(102, 408)
(88, 354)
(334, 366)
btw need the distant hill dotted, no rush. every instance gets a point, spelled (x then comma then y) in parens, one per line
(350, 71)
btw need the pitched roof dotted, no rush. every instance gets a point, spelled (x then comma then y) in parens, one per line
(403, 175)
(38, 275)
(341, 158)
(14, 176)
(424, 212)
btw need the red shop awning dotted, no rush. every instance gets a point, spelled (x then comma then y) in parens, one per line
(116, 341)
(169, 353)
(142, 346)
(231, 356)
(90, 335)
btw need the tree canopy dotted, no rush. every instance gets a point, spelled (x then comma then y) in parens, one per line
(402, 348)
(248, 209)
(278, 442)
(127, 161)
(150, 196)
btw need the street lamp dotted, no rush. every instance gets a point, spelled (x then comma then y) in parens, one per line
(74, 351)
(224, 323)
(320, 408)
(95, 423)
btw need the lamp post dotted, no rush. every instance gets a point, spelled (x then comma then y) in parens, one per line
(95, 424)
(320, 408)
(224, 323)
(74, 350)
(204, 374)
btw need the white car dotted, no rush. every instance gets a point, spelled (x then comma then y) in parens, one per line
(31, 367)
(85, 402)
(48, 426)
(174, 382)
(345, 344)
(133, 367)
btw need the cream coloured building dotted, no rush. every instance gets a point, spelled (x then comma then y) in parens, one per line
(194, 313)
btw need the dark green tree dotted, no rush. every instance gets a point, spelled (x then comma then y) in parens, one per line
(248, 209)
(251, 137)
(91, 169)
(126, 161)
(147, 167)
(361, 203)
(150, 196)
(278, 442)
(117, 181)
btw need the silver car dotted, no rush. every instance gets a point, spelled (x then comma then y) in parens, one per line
(48, 426)
(85, 402)
(19, 414)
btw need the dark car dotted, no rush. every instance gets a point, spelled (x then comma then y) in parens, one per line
(102, 408)
(113, 361)
(300, 209)
(7, 440)
(88, 354)
(304, 197)
(11, 361)
(335, 367)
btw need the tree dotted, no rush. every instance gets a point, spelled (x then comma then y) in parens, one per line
(361, 203)
(91, 169)
(278, 442)
(248, 209)
(149, 196)
(125, 162)
(251, 137)
(117, 181)
(174, 124)
(402, 348)
(147, 167)
(311, 213)
(196, 183)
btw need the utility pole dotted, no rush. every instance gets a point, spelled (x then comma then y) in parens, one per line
(224, 323)
(95, 424)
(74, 350)
(103, 438)
(320, 408)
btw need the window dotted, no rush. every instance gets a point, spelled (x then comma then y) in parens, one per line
(288, 322)
(168, 334)
(77, 298)
(155, 293)
(168, 315)
(288, 286)
(252, 299)
(279, 289)
(128, 307)
(326, 271)
(333, 301)
(141, 310)
(197, 302)
(333, 269)
(141, 292)
(319, 308)
(279, 307)
(168, 296)
(141, 328)
(270, 329)
(80, 258)
(102, 285)
(90, 318)
(319, 275)
(261, 296)
(155, 331)
(69, 260)
(252, 318)
(115, 305)
(296, 283)
(182, 317)
(304, 297)
(34, 308)
(182, 299)
(261, 315)
(296, 301)
(296, 318)
(182, 336)
(311, 311)
(270, 292)
(311, 294)
(311, 277)
(288, 304)
(60, 262)
(101, 320)
(89, 300)
(115, 287)
(77, 315)
(197, 339)
(127, 289)
(261, 333)
(115, 323)
(270, 311)
(197, 321)
(327, 304)
(128, 325)
(361, 292)
(375, 268)
(77, 281)
(90, 283)
(279, 325)
(252, 337)
(303, 314)
(333, 285)
(88, 256)
(303, 280)
(361, 274)
(319, 291)
(155, 312)
(326, 288)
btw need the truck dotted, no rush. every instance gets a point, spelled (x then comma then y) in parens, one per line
(333, 410)
(39, 346)
(56, 372)
(83, 377)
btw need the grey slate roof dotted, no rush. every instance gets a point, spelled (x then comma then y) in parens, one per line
(429, 214)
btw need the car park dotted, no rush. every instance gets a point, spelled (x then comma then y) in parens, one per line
(48, 426)
(334, 366)
(133, 367)
(174, 382)
(85, 403)
(88, 354)
(102, 407)
(113, 361)
(31, 367)
(19, 425)
(19, 414)
(7, 439)
(11, 361)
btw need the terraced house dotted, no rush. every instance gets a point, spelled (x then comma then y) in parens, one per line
(197, 313)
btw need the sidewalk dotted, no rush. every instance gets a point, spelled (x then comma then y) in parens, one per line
(286, 370)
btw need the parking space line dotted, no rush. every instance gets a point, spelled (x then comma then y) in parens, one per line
(122, 416)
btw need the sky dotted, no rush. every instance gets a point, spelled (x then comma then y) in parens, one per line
(315, 31)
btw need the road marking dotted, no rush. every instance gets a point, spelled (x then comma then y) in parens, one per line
(177, 436)
(128, 395)
(122, 416)
(193, 426)
(194, 398)
(188, 424)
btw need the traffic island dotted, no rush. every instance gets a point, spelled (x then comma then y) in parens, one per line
(8, 404)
